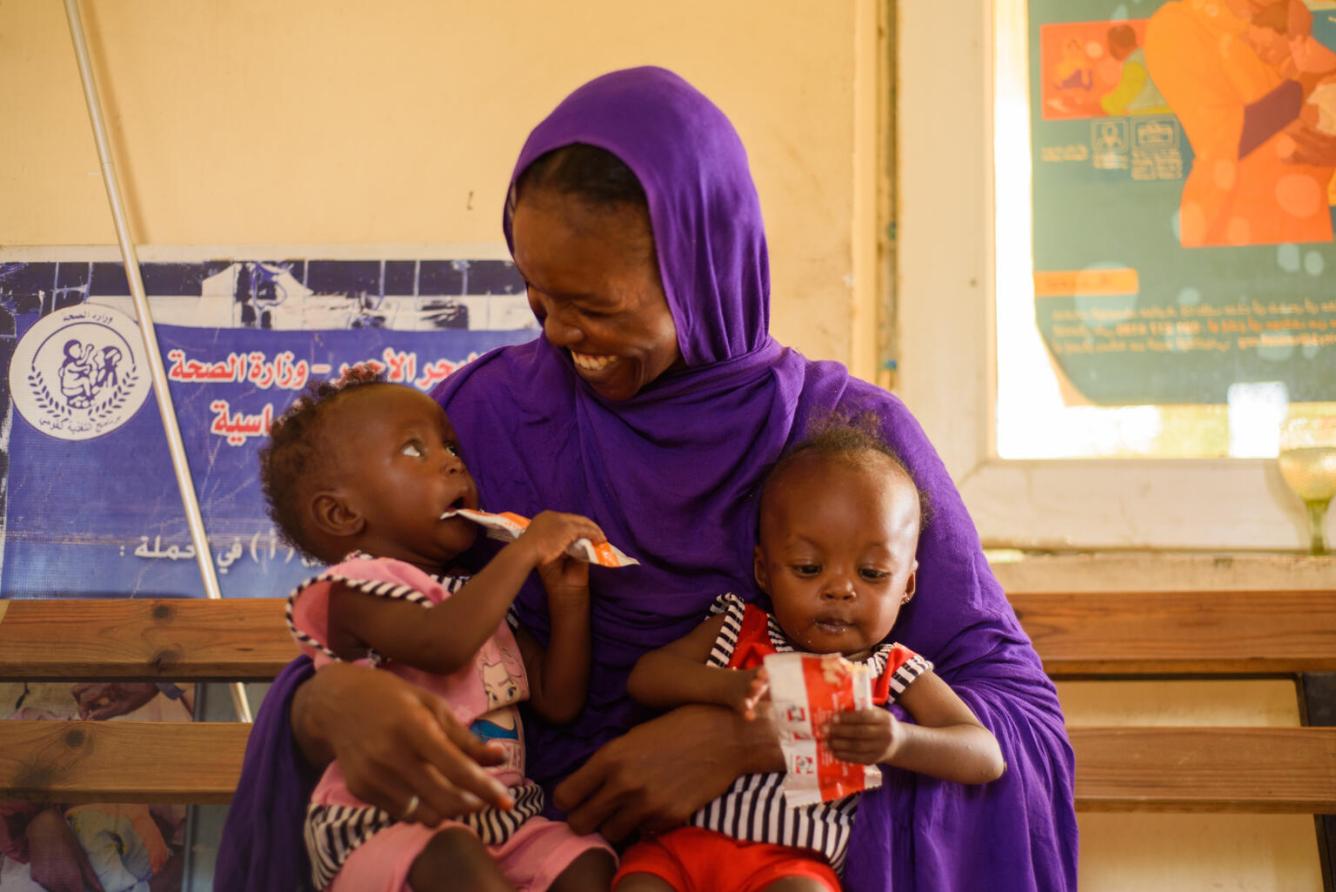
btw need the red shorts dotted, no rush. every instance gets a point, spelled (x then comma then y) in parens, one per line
(694, 860)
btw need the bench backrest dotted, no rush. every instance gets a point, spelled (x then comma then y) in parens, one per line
(1077, 635)
(1226, 634)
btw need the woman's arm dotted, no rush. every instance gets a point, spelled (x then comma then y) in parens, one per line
(394, 741)
(659, 773)
(676, 675)
(1269, 115)
(446, 638)
(948, 742)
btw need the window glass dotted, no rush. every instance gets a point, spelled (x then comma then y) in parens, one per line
(1166, 276)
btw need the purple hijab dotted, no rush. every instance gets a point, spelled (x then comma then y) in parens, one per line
(671, 477)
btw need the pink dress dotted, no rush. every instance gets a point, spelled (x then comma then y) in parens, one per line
(355, 846)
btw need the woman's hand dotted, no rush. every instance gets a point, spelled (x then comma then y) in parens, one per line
(395, 743)
(59, 863)
(658, 773)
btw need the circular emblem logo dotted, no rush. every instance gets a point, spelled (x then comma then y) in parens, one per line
(79, 372)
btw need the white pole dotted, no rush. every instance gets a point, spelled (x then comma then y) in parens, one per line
(179, 464)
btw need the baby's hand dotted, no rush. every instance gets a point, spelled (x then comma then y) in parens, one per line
(566, 580)
(753, 686)
(550, 533)
(866, 736)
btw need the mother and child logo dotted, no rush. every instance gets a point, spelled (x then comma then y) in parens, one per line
(78, 372)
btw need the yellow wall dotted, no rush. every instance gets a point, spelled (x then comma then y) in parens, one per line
(395, 123)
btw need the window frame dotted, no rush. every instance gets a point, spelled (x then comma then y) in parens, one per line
(946, 290)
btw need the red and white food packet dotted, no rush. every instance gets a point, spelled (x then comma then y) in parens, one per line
(807, 690)
(508, 526)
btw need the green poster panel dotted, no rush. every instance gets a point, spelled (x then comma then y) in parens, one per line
(1183, 160)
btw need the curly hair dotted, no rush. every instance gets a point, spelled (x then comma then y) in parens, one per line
(847, 438)
(293, 460)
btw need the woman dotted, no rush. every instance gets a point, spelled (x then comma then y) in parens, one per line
(653, 404)
(1261, 172)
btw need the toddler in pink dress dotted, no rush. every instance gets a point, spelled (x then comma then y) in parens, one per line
(359, 473)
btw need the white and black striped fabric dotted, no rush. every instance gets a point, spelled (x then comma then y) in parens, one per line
(380, 588)
(333, 832)
(753, 808)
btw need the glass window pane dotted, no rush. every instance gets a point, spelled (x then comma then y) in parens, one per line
(1164, 249)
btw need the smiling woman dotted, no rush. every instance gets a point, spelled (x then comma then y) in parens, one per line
(654, 403)
(582, 240)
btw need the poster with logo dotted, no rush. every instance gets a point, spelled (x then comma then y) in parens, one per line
(1183, 154)
(91, 506)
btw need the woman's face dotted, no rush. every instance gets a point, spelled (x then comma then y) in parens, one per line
(593, 282)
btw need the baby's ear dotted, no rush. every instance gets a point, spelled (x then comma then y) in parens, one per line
(331, 515)
(758, 569)
(911, 584)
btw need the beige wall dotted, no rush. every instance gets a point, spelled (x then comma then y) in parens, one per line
(396, 123)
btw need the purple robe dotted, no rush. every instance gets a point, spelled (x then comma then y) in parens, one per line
(671, 476)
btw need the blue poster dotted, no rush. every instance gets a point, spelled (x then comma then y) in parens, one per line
(91, 506)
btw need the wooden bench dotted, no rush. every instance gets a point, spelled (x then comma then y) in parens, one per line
(1089, 636)
(1192, 634)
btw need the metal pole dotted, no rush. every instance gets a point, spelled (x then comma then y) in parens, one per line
(174, 444)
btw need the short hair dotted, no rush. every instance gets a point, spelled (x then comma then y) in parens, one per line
(293, 460)
(844, 437)
(597, 176)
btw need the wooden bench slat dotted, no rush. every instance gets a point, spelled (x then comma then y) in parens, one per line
(124, 638)
(71, 762)
(1181, 633)
(1206, 769)
(1118, 769)
(1149, 633)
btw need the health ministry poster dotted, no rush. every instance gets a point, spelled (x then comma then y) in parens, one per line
(91, 506)
(1183, 154)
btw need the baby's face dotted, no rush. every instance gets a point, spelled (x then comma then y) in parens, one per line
(401, 469)
(836, 552)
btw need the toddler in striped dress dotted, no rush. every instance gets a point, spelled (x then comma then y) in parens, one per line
(358, 473)
(839, 524)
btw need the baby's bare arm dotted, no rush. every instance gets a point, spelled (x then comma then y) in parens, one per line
(948, 742)
(445, 638)
(559, 673)
(676, 674)
(440, 640)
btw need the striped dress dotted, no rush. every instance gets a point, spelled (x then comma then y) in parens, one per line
(483, 695)
(753, 808)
